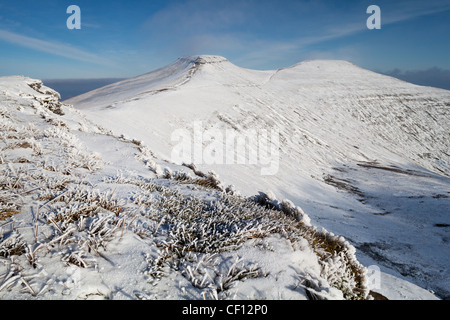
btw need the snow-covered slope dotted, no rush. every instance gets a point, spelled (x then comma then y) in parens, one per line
(366, 155)
(87, 214)
(304, 100)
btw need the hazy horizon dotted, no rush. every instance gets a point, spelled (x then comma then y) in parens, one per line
(69, 88)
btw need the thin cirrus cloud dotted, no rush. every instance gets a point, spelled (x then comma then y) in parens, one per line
(242, 31)
(56, 48)
(252, 33)
(396, 15)
(387, 18)
(415, 9)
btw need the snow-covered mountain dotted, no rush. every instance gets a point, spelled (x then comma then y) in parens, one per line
(88, 214)
(365, 155)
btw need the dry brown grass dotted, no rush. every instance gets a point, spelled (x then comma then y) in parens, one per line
(7, 213)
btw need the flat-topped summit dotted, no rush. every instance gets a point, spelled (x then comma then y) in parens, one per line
(326, 63)
(203, 59)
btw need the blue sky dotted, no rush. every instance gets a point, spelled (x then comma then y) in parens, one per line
(128, 38)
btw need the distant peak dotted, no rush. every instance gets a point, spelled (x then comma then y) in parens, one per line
(204, 59)
(325, 63)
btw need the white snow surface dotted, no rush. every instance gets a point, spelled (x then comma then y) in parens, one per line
(89, 214)
(93, 207)
(366, 156)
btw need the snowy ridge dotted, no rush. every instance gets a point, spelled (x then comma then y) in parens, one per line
(366, 101)
(163, 79)
(87, 214)
(364, 154)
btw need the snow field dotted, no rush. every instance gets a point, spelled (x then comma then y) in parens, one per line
(119, 223)
(335, 120)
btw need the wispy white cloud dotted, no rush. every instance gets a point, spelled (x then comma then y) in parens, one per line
(196, 16)
(239, 28)
(272, 50)
(56, 48)
(404, 11)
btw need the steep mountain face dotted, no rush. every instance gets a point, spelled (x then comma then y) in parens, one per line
(365, 155)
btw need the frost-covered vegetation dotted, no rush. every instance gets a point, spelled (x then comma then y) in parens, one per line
(81, 224)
